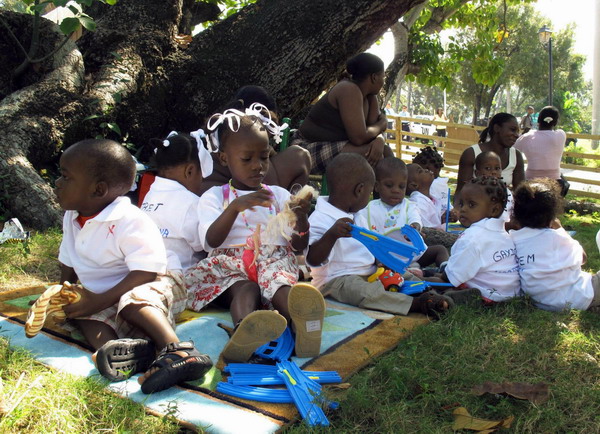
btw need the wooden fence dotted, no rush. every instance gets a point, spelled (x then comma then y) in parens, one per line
(459, 137)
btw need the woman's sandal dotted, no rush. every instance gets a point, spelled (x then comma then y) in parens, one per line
(431, 304)
(174, 369)
(119, 359)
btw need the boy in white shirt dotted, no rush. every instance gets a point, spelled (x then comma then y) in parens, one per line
(393, 210)
(431, 209)
(117, 253)
(340, 264)
(549, 259)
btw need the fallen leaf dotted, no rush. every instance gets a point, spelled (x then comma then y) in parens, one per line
(537, 393)
(340, 386)
(464, 420)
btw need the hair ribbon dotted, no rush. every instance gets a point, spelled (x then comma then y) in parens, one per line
(204, 155)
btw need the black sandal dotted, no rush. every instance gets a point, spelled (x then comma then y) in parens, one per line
(119, 359)
(431, 304)
(174, 369)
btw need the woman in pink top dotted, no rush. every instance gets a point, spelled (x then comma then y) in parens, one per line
(544, 147)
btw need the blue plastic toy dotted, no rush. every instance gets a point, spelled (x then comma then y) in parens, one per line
(417, 287)
(279, 349)
(392, 253)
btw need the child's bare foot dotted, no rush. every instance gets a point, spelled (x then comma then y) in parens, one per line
(176, 363)
(431, 304)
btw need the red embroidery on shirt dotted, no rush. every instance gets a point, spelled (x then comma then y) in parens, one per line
(111, 229)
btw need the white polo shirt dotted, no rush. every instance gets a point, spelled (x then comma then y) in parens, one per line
(348, 255)
(120, 239)
(430, 210)
(484, 257)
(550, 268)
(211, 206)
(439, 190)
(174, 209)
(387, 220)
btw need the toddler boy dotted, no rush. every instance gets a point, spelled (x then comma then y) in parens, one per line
(117, 253)
(340, 264)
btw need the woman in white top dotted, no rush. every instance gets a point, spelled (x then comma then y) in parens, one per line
(544, 147)
(500, 135)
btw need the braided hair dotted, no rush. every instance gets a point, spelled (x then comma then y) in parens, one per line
(429, 155)
(494, 187)
(175, 150)
(537, 203)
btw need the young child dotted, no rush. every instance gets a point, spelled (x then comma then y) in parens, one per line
(117, 253)
(340, 264)
(549, 258)
(488, 163)
(388, 214)
(484, 256)
(244, 271)
(431, 209)
(172, 201)
(430, 159)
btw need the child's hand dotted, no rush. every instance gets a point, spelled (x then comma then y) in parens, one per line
(90, 303)
(301, 207)
(260, 197)
(417, 226)
(341, 228)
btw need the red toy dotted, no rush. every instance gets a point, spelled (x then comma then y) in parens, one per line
(391, 280)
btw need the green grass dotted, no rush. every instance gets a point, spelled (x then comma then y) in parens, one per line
(414, 388)
(60, 402)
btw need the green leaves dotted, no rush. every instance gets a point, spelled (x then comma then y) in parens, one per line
(72, 24)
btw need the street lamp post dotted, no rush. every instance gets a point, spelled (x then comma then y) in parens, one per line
(545, 35)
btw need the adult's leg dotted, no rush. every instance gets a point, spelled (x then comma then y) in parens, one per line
(289, 167)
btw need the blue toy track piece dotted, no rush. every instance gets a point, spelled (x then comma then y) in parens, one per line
(417, 287)
(268, 380)
(261, 394)
(392, 253)
(305, 393)
(279, 349)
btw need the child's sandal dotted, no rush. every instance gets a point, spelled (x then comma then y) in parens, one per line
(174, 368)
(431, 304)
(119, 359)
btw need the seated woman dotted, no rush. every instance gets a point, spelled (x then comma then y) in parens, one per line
(347, 118)
(500, 135)
(287, 168)
(544, 148)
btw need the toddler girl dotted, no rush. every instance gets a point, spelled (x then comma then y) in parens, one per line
(549, 259)
(172, 201)
(243, 271)
(484, 256)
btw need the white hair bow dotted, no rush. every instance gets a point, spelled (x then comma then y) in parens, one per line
(548, 119)
(233, 119)
(206, 161)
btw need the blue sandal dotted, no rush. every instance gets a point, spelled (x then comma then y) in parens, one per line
(174, 369)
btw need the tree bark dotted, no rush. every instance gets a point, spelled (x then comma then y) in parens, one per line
(131, 73)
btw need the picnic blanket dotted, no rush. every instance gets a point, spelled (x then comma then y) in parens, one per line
(352, 338)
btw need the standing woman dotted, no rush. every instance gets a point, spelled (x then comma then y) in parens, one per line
(544, 148)
(348, 117)
(440, 130)
(500, 135)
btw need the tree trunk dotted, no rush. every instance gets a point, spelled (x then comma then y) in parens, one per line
(136, 77)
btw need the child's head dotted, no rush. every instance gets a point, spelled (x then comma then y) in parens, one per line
(419, 179)
(548, 117)
(503, 128)
(93, 174)
(243, 143)
(350, 180)
(178, 157)
(537, 203)
(429, 158)
(488, 164)
(483, 197)
(390, 180)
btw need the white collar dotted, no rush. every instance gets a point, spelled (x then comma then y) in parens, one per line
(325, 207)
(116, 210)
(492, 224)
